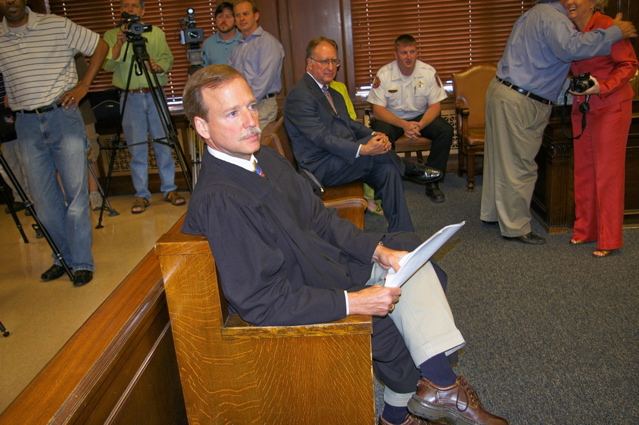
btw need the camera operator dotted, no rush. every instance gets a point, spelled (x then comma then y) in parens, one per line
(141, 117)
(600, 152)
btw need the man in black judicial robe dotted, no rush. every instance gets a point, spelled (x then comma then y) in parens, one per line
(283, 258)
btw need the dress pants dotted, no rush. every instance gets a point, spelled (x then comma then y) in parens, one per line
(439, 131)
(514, 128)
(600, 158)
(425, 322)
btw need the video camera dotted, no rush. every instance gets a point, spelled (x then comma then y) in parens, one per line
(189, 33)
(132, 26)
(580, 83)
(193, 36)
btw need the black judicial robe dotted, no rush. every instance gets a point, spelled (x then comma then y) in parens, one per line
(284, 258)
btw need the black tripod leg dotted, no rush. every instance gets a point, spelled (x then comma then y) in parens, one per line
(4, 190)
(4, 330)
(105, 200)
(29, 205)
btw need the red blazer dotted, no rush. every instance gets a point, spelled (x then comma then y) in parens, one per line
(612, 71)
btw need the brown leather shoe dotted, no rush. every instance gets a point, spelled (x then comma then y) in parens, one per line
(410, 420)
(458, 403)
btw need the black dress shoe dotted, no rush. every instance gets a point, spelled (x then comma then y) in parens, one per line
(529, 238)
(422, 174)
(82, 277)
(433, 192)
(54, 272)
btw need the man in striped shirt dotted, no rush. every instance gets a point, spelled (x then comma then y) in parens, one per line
(36, 60)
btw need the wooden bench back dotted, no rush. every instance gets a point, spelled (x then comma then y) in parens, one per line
(235, 373)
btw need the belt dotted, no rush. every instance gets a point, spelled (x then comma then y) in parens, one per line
(524, 92)
(41, 110)
(270, 95)
(143, 90)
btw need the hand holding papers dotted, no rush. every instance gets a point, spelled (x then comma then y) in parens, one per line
(413, 261)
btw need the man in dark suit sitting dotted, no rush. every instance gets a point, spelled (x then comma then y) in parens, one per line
(283, 258)
(337, 149)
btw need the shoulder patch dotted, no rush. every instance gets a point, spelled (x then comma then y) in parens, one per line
(377, 82)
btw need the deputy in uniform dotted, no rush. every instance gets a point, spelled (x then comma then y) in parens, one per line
(406, 96)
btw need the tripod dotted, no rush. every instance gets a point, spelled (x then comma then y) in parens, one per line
(29, 205)
(142, 60)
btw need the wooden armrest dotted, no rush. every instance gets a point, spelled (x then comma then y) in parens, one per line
(340, 203)
(464, 112)
(236, 328)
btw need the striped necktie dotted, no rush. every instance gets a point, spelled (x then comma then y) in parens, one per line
(329, 97)
(257, 169)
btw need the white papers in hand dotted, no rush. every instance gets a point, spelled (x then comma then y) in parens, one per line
(413, 261)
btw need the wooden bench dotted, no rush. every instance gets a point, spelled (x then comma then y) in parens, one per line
(235, 373)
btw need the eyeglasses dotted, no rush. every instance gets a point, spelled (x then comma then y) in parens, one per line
(326, 62)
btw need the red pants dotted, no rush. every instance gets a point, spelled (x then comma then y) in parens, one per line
(600, 159)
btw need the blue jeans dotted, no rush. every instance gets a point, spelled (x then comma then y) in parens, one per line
(50, 142)
(141, 119)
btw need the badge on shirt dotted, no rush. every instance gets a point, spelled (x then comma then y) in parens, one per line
(377, 82)
(420, 84)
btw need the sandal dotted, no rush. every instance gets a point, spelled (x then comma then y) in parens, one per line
(139, 206)
(377, 211)
(374, 206)
(574, 241)
(601, 253)
(174, 198)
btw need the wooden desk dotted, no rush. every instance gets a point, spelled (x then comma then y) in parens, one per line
(553, 198)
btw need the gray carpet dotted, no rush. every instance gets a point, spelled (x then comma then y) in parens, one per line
(551, 331)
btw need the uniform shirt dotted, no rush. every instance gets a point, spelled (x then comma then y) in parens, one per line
(36, 60)
(406, 97)
(217, 51)
(156, 47)
(541, 46)
(259, 59)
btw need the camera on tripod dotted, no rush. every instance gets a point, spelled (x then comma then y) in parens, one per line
(132, 26)
(189, 33)
(580, 83)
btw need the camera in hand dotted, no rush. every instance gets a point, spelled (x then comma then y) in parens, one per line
(132, 26)
(581, 83)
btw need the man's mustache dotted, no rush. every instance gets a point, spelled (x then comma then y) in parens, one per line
(250, 132)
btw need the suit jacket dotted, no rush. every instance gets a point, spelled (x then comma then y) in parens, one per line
(323, 141)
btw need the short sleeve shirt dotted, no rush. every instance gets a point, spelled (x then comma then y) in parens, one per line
(406, 97)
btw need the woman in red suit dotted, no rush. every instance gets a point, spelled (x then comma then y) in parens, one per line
(600, 153)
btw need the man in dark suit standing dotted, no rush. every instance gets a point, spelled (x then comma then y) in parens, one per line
(337, 149)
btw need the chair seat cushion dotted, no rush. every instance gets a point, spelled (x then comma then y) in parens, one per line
(406, 144)
(476, 136)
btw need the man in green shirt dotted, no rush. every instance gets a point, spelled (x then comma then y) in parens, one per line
(141, 119)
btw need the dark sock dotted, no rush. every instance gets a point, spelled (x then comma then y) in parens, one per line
(394, 414)
(438, 370)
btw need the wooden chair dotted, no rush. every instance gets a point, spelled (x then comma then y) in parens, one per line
(347, 198)
(235, 373)
(404, 144)
(470, 87)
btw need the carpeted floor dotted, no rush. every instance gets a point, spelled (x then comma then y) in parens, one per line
(551, 331)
